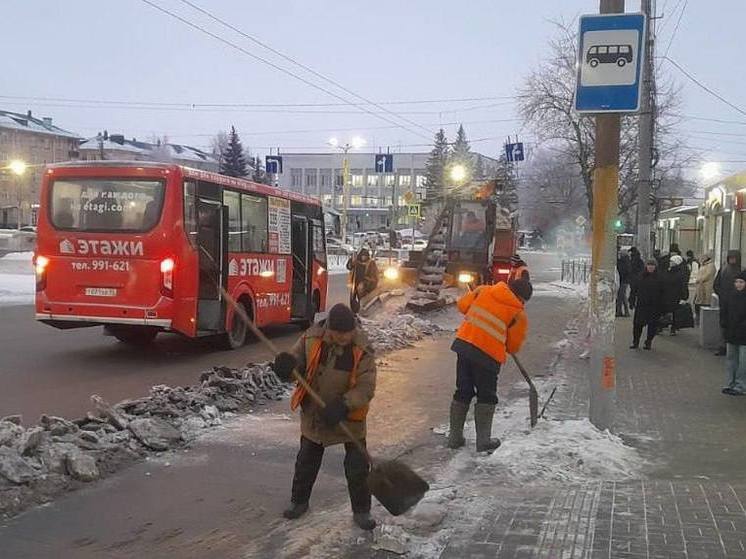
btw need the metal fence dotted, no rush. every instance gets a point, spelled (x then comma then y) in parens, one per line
(576, 271)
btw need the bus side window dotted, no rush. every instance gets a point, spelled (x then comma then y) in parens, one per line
(254, 223)
(190, 212)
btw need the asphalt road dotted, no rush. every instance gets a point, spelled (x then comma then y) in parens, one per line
(45, 370)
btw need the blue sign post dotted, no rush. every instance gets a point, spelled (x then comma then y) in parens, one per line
(610, 59)
(514, 152)
(384, 163)
(273, 164)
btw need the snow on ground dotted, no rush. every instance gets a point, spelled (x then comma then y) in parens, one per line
(16, 289)
(18, 256)
(16, 278)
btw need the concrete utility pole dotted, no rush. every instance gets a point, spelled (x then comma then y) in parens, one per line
(645, 144)
(605, 208)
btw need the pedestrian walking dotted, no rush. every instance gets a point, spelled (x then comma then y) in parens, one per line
(363, 277)
(676, 288)
(733, 322)
(637, 267)
(648, 307)
(703, 284)
(337, 361)
(724, 286)
(494, 325)
(624, 270)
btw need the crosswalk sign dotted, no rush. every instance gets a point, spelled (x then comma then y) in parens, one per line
(413, 210)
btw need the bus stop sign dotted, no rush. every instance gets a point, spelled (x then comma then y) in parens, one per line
(610, 59)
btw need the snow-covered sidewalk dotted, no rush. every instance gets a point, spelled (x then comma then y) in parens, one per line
(16, 279)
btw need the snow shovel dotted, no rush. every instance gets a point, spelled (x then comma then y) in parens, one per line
(396, 486)
(533, 395)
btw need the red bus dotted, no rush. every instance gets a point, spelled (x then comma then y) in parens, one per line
(148, 247)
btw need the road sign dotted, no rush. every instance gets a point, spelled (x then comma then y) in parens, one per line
(384, 163)
(610, 59)
(273, 164)
(409, 197)
(413, 210)
(514, 152)
(580, 220)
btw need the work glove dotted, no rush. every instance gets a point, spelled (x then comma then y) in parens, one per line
(284, 365)
(334, 412)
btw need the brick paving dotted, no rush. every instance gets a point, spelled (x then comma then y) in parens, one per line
(690, 504)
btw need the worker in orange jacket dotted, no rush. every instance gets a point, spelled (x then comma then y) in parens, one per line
(494, 325)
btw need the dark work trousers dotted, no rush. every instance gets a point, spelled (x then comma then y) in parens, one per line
(474, 379)
(307, 466)
(644, 317)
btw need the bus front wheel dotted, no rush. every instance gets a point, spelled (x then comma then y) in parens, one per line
(133, 335)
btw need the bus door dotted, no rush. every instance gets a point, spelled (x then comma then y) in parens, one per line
(212, 269)
(301, 295)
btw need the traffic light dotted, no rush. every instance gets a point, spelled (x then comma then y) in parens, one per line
(618, 225)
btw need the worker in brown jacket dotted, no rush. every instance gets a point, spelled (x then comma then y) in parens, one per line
(336, 360)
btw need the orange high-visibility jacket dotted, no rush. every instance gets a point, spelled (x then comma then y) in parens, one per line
(495, 321)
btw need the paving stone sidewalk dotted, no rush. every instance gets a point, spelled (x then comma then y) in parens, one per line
(690, 503)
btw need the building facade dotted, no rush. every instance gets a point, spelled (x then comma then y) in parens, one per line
(723, 226)
(116, 147)
(372, 195)
(36, 142)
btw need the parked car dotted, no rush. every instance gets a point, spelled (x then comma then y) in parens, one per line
(336, 246)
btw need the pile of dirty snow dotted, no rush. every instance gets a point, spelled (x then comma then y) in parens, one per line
(571, 450)
(389, 333)
(46, 459)
(16, 278)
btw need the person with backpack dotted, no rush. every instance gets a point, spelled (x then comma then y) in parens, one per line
(733, 323)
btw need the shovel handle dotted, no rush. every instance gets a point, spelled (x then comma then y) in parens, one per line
(238, 309)
(523, 371)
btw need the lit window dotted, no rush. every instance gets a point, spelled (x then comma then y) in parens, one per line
(356, 201)
(405, 180)
(389, 180)
(374, 180)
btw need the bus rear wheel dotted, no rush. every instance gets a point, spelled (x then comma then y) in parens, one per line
(133, 335)
(237, 334)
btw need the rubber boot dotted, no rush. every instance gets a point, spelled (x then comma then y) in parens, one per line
(296, 510)
(483, 414)
(456, 431)
(363, 520)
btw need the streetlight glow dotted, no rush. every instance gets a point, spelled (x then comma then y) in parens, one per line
(709, 170)
(333, 142)
(17, 167)
(458, 173)
(357, 142)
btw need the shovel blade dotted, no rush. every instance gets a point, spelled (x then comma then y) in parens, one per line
(396, 486)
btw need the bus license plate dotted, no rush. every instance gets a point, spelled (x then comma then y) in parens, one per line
(100, 291)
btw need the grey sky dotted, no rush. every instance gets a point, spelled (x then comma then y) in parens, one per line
(384, 50)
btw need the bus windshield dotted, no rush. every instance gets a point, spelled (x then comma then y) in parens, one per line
(469, 227)
(126, 205)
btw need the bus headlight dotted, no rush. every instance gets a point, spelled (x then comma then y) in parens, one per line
(465, 277)
(391, 273)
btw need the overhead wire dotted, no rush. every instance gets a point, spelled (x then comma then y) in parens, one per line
(299, 64)
(275, 66)
(678, 22)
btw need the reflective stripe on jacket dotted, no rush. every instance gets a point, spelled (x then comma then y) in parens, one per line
(313, 358)
(494, 321)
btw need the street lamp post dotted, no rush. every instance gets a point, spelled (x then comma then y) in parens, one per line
(355, 143)
(18, 169)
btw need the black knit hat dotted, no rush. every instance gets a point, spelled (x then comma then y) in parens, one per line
(741, 276)
(340, 318)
